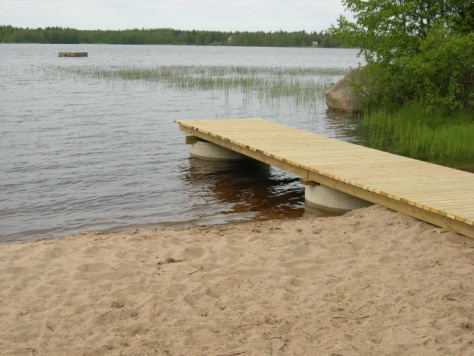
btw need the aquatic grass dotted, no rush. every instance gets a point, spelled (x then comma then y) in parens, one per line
(301, 85)
(427, 134)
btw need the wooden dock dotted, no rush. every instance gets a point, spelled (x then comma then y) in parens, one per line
(439, 195)
(73, 54)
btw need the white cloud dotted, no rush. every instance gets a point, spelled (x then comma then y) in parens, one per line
(231, 15)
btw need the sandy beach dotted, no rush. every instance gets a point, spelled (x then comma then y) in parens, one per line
(369, 282)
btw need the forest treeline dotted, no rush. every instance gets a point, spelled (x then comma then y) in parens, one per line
(10, 34)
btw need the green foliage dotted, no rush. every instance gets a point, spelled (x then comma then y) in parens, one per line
(9, 34)
(422, 133)
(415, 50)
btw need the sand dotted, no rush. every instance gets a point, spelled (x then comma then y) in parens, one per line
(369, 282)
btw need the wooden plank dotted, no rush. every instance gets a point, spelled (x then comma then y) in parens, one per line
(72, 54)
(436, 194)
(191, 140)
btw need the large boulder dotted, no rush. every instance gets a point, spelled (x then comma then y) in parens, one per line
(341, 96)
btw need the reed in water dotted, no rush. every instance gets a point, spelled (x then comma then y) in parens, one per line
(302, 85)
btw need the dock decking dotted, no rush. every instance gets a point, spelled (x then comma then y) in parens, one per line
(436, 194)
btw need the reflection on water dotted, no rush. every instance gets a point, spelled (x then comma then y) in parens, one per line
(346, 124)
(251, 186)
(89, 153)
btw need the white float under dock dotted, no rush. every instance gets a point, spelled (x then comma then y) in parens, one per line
(436, 194)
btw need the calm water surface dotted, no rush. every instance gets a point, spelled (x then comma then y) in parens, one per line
(88, 154)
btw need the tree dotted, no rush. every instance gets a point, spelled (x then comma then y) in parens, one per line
(160, 36)
(415, 49)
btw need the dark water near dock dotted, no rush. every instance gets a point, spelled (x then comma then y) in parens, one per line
(83, 154)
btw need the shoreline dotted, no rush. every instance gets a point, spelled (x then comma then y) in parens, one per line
(370, 281)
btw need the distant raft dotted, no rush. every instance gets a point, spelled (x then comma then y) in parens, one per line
(72, 54)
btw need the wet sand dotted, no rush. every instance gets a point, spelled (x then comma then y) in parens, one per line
(369, 282)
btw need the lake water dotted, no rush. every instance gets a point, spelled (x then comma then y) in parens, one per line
(80, 154)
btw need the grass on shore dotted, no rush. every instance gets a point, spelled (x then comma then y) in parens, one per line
(427, 134)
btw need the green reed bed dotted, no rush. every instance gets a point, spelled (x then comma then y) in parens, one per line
(426, 134)
(302, 85)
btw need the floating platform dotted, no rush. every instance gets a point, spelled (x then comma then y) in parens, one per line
(436, 194)
(73, 54)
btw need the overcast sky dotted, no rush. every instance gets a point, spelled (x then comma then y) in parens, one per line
(221, 15)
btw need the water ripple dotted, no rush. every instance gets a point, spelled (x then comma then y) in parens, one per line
(91, 154)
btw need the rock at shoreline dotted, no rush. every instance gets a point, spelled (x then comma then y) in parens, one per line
(341, 96)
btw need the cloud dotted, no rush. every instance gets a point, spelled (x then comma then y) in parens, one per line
(231, 15)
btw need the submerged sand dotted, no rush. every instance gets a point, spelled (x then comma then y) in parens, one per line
(370, 282)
